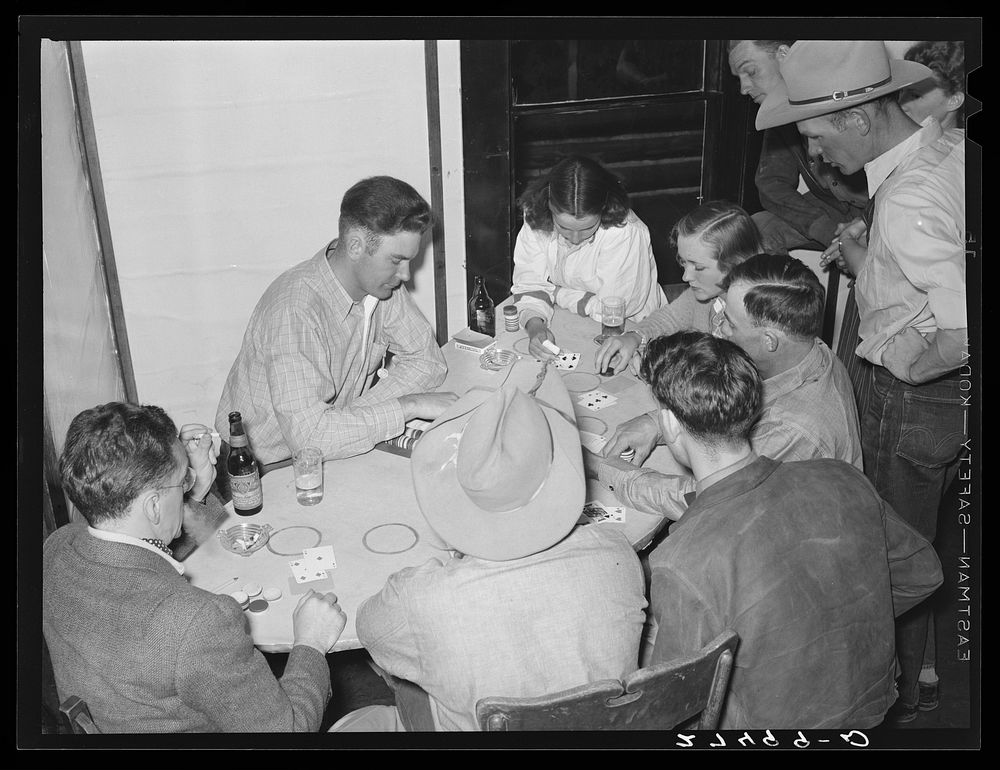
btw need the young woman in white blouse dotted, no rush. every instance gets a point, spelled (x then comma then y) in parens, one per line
(580, 242)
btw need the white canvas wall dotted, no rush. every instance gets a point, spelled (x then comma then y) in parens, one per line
(80, 359)
(224, 163)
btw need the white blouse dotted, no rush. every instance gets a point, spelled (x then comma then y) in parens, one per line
(616, 261)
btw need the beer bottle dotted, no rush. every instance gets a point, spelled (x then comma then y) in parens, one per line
(481, 310)
(244, 475)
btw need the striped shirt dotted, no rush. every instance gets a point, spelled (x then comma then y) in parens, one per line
(304, 372)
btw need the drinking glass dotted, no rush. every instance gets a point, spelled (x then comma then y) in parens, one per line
(612, 316)
(308, 464)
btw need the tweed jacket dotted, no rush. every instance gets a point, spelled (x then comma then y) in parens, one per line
(150, 653)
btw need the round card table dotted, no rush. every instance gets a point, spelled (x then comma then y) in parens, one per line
(369, 512)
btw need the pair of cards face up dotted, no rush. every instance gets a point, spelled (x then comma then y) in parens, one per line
(599, 513)
(312, 568)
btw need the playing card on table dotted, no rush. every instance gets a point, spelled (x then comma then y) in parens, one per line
(305, 573)
(567, 360)
(321, 557)
(598, 513)
(597, 399)
(592, 441)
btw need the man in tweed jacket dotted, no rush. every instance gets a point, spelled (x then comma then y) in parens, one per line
(147, 651)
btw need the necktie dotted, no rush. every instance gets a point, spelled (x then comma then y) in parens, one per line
(159, 544)
(858, 368)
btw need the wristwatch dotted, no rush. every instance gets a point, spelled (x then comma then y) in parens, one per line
(643, 339)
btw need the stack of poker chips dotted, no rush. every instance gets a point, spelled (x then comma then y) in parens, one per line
(403, 443)
(510, 318)
(628, 455)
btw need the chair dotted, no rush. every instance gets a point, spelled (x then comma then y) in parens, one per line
(78, 715)
(659, 697)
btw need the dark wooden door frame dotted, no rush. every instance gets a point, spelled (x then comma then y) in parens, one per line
(487, 120)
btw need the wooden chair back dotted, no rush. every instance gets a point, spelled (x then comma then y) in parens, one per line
(658, 697)
(77, 714)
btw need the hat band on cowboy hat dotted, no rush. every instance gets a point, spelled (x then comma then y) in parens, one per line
(838, 95)
(499, 475)
(824, 76)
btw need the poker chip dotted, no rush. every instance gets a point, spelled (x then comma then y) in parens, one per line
(272, 594)
(251, 589)
(257, 605)
(628, 455)
(242, 598)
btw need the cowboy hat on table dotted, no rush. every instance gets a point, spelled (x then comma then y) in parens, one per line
(499, 475)
(824, 76)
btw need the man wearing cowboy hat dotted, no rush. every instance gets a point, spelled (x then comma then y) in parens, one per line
(910, 282)
(528, 603)
(791, 219)
(803, 560)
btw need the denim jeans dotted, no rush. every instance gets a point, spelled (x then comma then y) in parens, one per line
(911, 437)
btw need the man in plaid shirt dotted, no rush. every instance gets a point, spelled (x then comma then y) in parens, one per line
(321, 332)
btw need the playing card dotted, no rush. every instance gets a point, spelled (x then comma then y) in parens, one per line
(321, 557)
(593, 513)
(592, 441)
(567, 360)
(306, 573)
(597, 399)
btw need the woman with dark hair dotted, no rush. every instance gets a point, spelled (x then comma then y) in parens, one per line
(942, 96)
(710, 241)
(580, 243)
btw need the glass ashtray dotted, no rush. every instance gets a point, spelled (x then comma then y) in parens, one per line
(244, 539)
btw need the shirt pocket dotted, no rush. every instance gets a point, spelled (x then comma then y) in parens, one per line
(376, 353)
(931, 431)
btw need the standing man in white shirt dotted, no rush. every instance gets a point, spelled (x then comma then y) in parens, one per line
(910, 280)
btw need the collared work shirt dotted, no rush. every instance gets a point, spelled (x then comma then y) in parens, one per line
(616, 261)
(808, 412)
(809, 566)
(303, 374)
(914, 274)
(469, 628)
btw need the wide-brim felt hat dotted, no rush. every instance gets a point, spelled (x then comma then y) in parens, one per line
(499, 475)
(824, 76)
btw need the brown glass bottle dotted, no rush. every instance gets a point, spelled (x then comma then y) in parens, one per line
(482, 312)
(244, 474)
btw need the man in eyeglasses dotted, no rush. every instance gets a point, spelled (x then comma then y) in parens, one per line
(126, 632)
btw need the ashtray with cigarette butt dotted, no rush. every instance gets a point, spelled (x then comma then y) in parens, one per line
(244, 539)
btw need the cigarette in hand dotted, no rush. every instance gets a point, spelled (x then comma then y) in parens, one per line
(216, 439)
(551, 346)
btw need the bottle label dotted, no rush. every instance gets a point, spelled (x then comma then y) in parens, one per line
(246, 490)
(484, 320)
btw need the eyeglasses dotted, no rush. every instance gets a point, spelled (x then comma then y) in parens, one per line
(189, 480)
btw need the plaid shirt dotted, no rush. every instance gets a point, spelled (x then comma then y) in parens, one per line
(304, 372)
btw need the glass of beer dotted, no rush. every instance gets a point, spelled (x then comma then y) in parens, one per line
(612, 316)
(308, 464)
